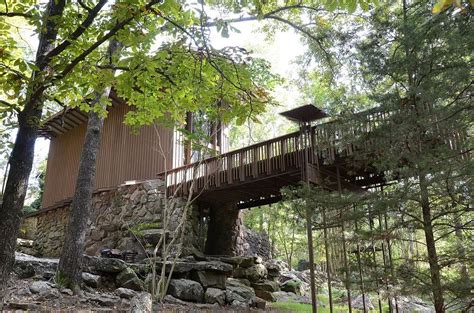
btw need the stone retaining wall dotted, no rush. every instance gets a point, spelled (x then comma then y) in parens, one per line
(118, 218)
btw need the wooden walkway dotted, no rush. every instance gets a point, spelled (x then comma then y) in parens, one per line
(254, 175)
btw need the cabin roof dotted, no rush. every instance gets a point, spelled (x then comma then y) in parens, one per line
(67, 119)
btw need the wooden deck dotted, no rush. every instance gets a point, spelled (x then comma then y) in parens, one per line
(254, 175)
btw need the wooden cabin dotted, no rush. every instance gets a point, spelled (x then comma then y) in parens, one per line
(124, 156)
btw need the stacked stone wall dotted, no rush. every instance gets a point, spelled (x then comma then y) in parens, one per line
(118, 218)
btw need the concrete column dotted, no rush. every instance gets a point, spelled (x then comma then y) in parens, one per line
(224, 234)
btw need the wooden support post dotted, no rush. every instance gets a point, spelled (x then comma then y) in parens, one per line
(326, 249)
(359, 265)
(374, 258)
(344, 248)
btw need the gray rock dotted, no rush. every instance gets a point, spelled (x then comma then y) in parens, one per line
(254, 273)
(283, 296)
(210, 279)
(98, 265)
(408, 304)
(265, 295)
(242, 294)
(66, 291)
(128, 279)
(186, 267)
(40, 265)
(258, 303)
(358, 303)
(214, 295)
(104, 299)
(91, 280)
(186, 289)
(141, 303)
(293, 285)
(266, 285)
(237, 282)
(24, 270)
(125, 293)
(41, 287)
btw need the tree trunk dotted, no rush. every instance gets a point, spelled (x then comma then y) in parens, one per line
(21, 160)
(431, 247)
(70, 263)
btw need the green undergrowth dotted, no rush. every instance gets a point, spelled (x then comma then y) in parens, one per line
(300, 307)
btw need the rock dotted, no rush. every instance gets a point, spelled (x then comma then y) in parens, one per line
(265, 295)
(152, 236)
(214, 295)
(283, 296)
(128, 279)
(242, 294)
(24, 270)
(266, 285)
(210, 279)
(258, 303)
(408, 304)
(104, 299)
(172, 300)
(186, 289)
(293, 285)
(98, 265)
(236, 282)
(66, 291)
(254, 273)
(125, 293)
(186, 267)
(91, 280)
(40, 265)
(41, 287)
(358, 303)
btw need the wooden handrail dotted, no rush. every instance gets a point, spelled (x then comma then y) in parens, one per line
(282, 153)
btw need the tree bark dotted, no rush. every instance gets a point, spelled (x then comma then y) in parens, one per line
(21, 160)
(431, 247)
(70, 262)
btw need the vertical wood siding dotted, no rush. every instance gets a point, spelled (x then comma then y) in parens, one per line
(123, 156)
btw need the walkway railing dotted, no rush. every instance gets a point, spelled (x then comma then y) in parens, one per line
(328, 142)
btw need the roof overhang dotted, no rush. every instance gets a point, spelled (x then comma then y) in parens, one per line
(68, 119)
(304, 114)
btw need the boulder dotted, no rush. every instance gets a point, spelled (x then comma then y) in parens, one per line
(237, 282)
(293, 285)
(258, 303)
(152, 236)
(41, 287)
(254, 273)
(125, 293)
(214, 295)
(266, 285)
(186, 289)
(104, 299)
(98, 265)
(283, 296)
(186, 267)
(128, 279)
(210, 279)
(243, 294)
(91, 280)
(358, 302)
(265, 295)
(408, 304)
(141, 303)
(41, 266)
(24, 270)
